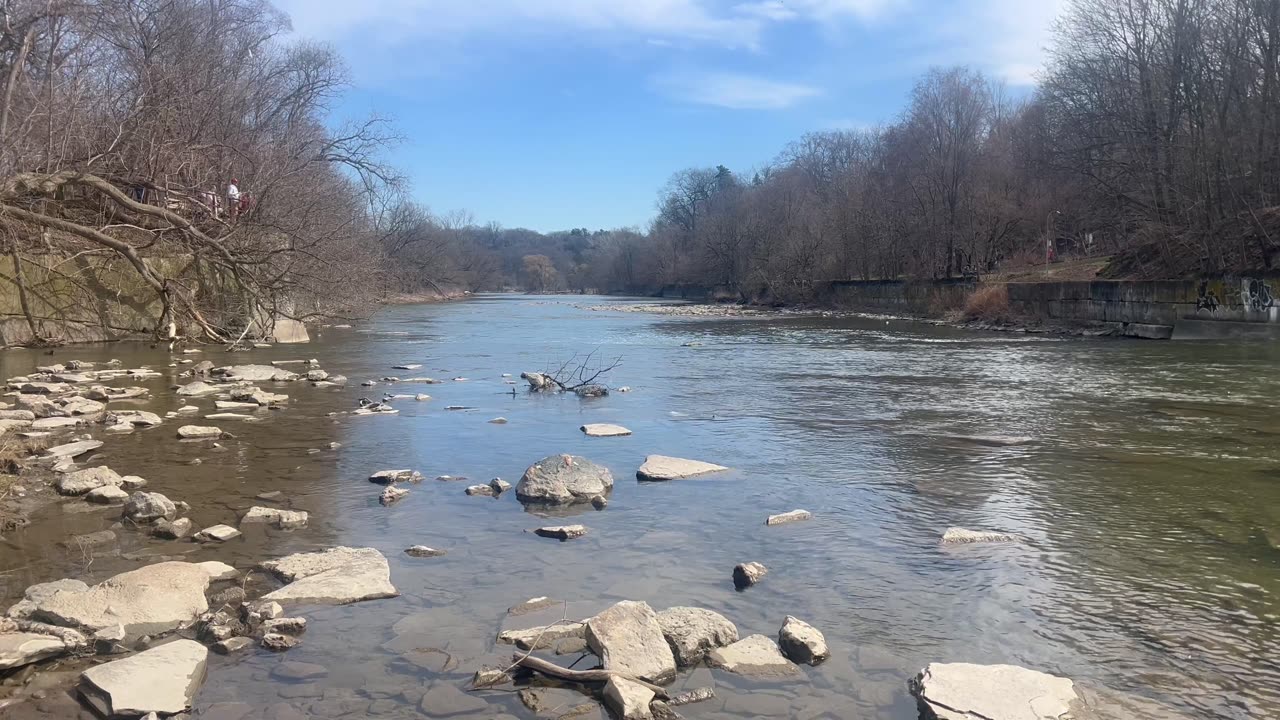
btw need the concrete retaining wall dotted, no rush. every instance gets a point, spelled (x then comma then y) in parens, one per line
(1140, 308)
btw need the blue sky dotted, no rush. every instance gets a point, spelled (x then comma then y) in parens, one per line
(552, 114)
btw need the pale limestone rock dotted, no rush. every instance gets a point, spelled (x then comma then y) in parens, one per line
(661, 467)
(628, 639)
(163, 680)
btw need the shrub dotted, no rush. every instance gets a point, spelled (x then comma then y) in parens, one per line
(989, 303)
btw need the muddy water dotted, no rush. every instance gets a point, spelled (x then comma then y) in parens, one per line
(1149, 500)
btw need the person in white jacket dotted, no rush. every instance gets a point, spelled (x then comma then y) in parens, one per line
(233, 198)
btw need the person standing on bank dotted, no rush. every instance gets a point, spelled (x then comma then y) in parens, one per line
(233, 198)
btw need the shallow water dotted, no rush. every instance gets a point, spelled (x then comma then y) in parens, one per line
(1149, 500)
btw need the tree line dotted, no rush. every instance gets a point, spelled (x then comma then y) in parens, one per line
(1152, 138)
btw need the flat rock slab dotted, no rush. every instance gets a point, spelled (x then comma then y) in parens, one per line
(964, 536)
(148, 601)
(628, 639)
(283, 519)
(788, 517)
(562, 532)
(217, 533)
(71, 450)
(388, 477)
(162, 680)
(199, 432)
(23, 648)
(657, 468)
(755, 655)
(543, 636)
(252, 373)
(338, 576)
(964, 691)
(604, 430)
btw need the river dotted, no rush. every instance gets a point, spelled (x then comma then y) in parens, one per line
(1148, 500)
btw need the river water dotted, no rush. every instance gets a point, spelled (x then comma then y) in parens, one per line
(1149, 501)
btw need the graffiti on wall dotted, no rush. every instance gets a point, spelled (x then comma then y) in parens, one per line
(1256, 295)
(1207, 297)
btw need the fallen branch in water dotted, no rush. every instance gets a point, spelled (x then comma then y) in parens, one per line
(552, 670)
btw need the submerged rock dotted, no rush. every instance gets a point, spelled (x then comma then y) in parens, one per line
(196, 389)
(392, 494)
(422, 551)
(628, 639)
(964, 691)
(338, 575)
(563, 479)
(802, 642)
(755, 655)
(963, 536)
(747, 574)
(162, 680)
(788, 517)
(484, 490)
(660, 467)
(604, 430)
(693, 632)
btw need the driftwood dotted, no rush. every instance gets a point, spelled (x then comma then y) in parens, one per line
(552, 670)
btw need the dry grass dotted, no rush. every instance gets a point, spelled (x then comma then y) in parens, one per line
(14, 453)
(989, 303)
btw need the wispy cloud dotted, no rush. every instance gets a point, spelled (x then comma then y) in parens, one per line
(733, 90)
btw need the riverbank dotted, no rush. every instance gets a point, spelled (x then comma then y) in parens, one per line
(1219, 308)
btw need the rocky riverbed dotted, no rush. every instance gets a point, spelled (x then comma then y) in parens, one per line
(552, 594)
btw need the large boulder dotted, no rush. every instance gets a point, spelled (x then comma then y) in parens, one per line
(660, 467)
(802, 642)
(82, 481)
(628, 639)
(964, 691)
(563, 479)
(539, 381)
(337, 576)
(693, 632)
(147, 507)
(755, 655)
(148, 601)
(162, 680)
